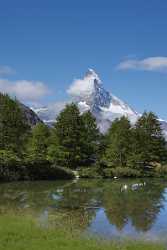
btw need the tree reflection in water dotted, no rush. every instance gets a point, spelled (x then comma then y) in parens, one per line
(75, 204)
(140, 205)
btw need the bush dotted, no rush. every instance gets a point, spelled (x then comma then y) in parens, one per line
(13, 168)
(124, 172)
(108, 173)
(89, 172)
(160, 170)
(10, 165)
(43, 170)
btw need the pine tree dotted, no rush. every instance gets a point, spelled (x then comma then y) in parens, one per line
(152, 143)
(53, 153)
(37, 145)
(75, 138)
(68, 131)
(118, 143)
(13, 126)
(90, 137)
(137, 156)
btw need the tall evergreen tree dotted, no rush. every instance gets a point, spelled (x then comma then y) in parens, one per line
(118, 143)
(151, 143)
(68, 131)
(13, 126)
(90, 137)
(37, 145)
(137, 156)
(54, 152)
(75, 138)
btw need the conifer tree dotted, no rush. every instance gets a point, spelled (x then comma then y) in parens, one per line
(118, 143)
(13, 126)
(68, 131)
(37, 145)
(75, 138)
(152, 143)
(90, 137)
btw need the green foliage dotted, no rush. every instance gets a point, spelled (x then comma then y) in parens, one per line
(13, 168)
(8, 158)
(37, 145)
(125, 172)
(121, 172)
(161, 170)
(151, 142)
(119, 141)
(45, 171)
(13, 126)
(9, 165)
(90, 138)
(89, 172)
(74, 140)
(68, 130)
(135, 150)
(55, 152)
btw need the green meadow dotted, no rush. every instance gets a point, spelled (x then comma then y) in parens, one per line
(23, 233)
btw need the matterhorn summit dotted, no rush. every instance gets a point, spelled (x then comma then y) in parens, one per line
(89, 94)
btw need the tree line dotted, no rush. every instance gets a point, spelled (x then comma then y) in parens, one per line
(75, 142)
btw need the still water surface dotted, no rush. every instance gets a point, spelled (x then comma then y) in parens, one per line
(108, 208)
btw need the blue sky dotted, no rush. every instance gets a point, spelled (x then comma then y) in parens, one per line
(49, 43)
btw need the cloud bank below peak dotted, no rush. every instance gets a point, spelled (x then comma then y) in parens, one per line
(147, 64)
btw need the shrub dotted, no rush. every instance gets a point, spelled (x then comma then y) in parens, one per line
(108, 173)
(89, 172)
(43, 170)
(9, 166)
(161, 171)
(13, 168)
(122, 172)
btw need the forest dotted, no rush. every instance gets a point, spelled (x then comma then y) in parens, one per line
(74, 143)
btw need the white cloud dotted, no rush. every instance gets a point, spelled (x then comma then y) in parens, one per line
(83, 88)
(6, 70)
(27, 91)
(147, 64)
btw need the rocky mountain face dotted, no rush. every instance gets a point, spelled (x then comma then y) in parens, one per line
(31, 117)
(88, 93)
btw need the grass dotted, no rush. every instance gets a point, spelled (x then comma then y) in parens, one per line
(19, 233)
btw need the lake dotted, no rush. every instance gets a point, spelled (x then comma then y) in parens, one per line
(135, 208)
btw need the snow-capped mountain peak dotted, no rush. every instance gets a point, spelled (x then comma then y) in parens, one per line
(89, 94)
(91, 74)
